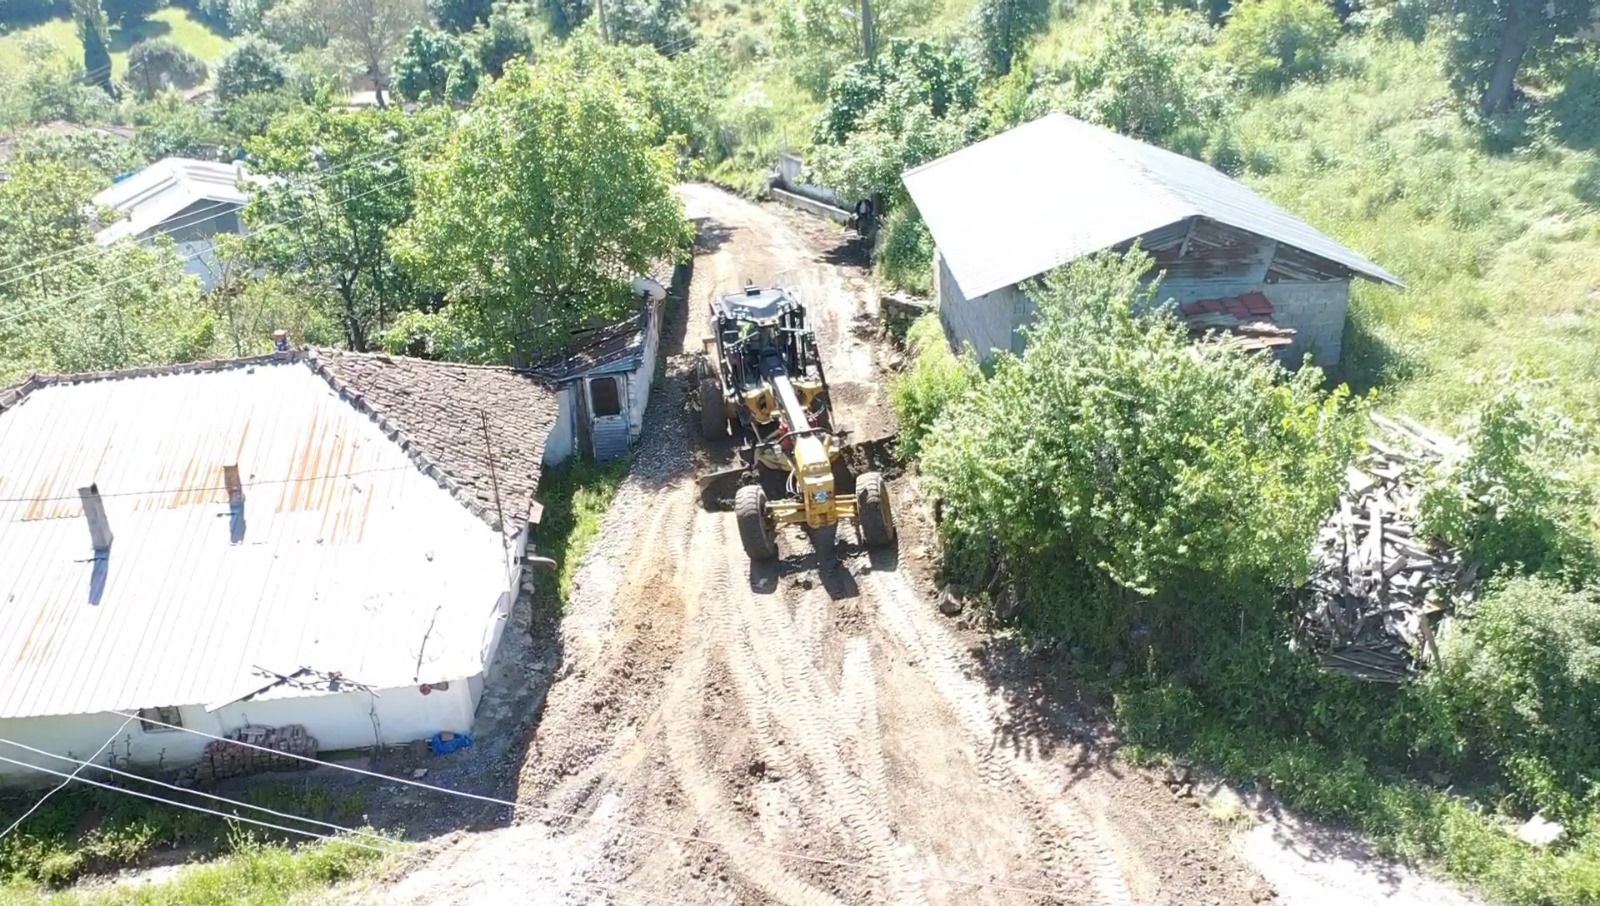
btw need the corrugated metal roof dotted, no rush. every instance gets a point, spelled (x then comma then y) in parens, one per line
(1048, 192)
(351, 559)
(165, 188)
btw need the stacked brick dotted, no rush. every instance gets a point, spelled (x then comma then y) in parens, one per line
(222, 760)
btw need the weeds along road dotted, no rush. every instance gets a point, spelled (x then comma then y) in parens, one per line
(810, 732)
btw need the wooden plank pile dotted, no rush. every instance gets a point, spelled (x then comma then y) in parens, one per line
(1378, 594)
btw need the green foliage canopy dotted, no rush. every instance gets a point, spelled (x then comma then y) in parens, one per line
(549, 198)
(1274, 42)
(95, 36)
(254, 65)
(1116, 455)
(160, 63)
(1003, 26)
(131, 13)
(1492, 40)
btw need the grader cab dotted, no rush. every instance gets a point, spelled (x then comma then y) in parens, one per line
(761, 380)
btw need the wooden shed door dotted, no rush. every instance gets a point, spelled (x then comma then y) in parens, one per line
(606, 396)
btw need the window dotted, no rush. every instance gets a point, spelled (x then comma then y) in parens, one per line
(604, 397)
(148, 718)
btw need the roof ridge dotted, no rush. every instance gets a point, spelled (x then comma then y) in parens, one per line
(440, 363)
(203, 366)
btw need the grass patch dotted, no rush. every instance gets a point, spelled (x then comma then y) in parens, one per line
(83, 830)
(256, 873)
(575, 498)
(172, 22)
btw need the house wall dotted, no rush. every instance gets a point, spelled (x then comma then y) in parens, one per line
(643, 378)
(346, 720)
(194, 230)
(562, 443)
(986, 323)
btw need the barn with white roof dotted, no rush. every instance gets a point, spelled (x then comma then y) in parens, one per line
(319, 540)
(1046, 193)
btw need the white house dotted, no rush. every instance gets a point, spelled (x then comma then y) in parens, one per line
(188, 201)
(320, 539)
(605, 385)
(1051, 191)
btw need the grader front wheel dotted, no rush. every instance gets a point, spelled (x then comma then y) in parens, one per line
(757, 529)
(874, 515)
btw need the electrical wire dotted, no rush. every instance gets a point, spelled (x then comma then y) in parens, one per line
(103, 746)
(620, 825)
(197, 808)
(201, 793)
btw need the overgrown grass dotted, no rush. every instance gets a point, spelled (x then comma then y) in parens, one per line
(172, 22)
(83, 830)
(255, 873)
(575, 498)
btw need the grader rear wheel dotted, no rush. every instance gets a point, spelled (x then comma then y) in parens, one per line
(874, 515)
(757, 530)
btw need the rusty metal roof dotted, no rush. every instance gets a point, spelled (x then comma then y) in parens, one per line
(1054, 190)
(357, 550)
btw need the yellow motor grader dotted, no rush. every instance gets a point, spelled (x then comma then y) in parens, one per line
(760, 376)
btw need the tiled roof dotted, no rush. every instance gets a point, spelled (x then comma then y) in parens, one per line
(441, 407)
(1247, 321)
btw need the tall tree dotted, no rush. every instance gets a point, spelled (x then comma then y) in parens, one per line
(131, 13)
(95, 36)
(459, 15)
(423, 69)
(1003, 26)
(1491, 41)
(346, 181)
(255, 65)
(548, 200)
(377, 28)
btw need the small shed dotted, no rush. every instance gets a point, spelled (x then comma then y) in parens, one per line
(190, 202)
(1046, 193)
(605, 384)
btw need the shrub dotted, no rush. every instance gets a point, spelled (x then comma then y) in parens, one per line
(160, 63)
(1510, 503)
(1274, 42)
(1117, 465)
(936, 378)
(1002, 26)
(1520, 685)
(1575, 110)
(1148, 75)
(254, 66)
(99, 151)
(905, 258)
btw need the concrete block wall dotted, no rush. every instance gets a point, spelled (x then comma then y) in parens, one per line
(984, 324)
(1317, 312)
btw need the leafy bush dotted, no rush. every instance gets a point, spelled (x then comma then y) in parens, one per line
(1520, 685)
(1147, 74)
(102, 152)
(425, 65)
(937, 377)
(1510, 503)
(1396, 18)
(1274, 42)
(128, 14)
(1575, 110)
(169, 126)
(160, 63)
(1116, 463)
(255, 65)
(662, 24)
(1001, 27)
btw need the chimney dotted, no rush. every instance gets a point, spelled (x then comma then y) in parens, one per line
(230, 478)
(280, 340)
(94, 509)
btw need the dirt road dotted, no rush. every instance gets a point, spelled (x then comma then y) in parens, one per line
(812, 732)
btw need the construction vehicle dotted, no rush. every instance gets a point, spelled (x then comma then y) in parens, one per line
(761, 376)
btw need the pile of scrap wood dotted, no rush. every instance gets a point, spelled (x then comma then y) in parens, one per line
(1379, 593)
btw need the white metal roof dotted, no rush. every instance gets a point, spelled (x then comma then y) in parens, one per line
(1048, 192)
(165, 188)
(350, 559)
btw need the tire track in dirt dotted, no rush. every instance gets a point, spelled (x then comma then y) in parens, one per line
(913, 627)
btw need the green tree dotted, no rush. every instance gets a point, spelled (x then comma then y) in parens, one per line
(1491, 41)
(549, 198)
(505, 38)
(459, 15)
(1117, 468)
(662, 24)
(170, 126)
(424, 66)
(160, 63)
(128, 14)
(254, 65)
(1002, 26)
(86, 308)
(1274, 42)
(375, 28)
(92, 149)
(346, 181)
(96, 39)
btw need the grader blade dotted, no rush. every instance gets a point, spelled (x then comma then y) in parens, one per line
(717, 489)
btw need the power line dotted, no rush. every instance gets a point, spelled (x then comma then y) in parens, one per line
(103, 746)
(201, 793)
(621, 825)
(183, 259)
(193, 807)
(90, 249)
